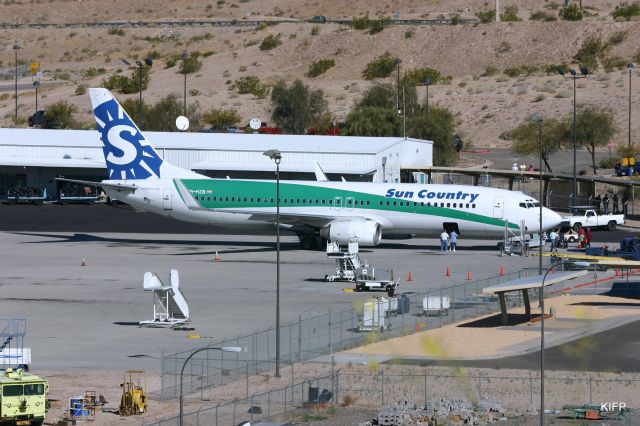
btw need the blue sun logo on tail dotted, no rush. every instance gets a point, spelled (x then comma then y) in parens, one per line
(127, 153)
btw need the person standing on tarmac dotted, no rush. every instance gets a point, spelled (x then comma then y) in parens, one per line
(444, 241)
(454, 241)
(553, 237)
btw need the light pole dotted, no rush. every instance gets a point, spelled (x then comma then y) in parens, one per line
(398, 62)
(36, 84)
(276, 156)
(15, 50)
(185, 56)
(574, 76)
(148, 62)
(630, 67)
(427, 83)
(538, 119)
(222, 348)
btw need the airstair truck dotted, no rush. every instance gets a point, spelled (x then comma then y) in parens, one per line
(23, 398)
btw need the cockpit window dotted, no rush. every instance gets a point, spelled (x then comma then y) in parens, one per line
(523, 205)
(536, 204)
(530, 205)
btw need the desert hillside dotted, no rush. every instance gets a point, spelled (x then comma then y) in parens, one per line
(486, 100)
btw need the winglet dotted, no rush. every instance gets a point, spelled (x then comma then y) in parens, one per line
(320, 176)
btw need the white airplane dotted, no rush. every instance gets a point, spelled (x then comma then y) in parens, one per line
(339, 211)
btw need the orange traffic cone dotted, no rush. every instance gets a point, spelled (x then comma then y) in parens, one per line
(502, 272)
(410, 277)
(448, 273)
(469, 276)
(217, 258)
(83, 263)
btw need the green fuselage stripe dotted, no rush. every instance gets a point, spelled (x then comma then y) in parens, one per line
(234, 194)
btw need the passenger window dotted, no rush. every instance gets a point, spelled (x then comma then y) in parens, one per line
(395, 203)
(208, 198)
(285, 201)
(324, 201)
(467, 205)
(368, 203)
(523, 205)
(244, 199)
(473, 206)
(226, 198)
(272, 200)
(455, 205)
(387, 203)
(448, 204)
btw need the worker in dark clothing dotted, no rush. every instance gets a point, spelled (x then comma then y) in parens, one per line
(605, 203)
(625, 202)
(597, 203)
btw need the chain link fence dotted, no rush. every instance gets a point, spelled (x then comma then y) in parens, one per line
(421, 385)
(317, 334)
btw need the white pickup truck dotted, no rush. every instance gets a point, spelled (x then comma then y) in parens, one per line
(590, 219)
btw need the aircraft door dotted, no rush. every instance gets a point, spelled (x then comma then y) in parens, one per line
(349, 203)
(166, 199)
(337, 203)
(498, 207)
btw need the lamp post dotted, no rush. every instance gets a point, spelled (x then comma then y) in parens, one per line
(398, 62)
(185, 56)
(538, 119)
(584, 71)
(148, 62)
(630, 67)
(15, 50)
(36, 84)
(276, 156)
(222, 348)
(427, 83)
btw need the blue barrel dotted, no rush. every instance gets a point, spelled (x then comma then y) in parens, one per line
(76, 407)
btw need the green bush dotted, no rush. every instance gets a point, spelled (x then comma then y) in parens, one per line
(626, 11)
(510, 14)
(126, 84)
(614, 63)
(250, 84)
(81, 89)
(409, 34)
(61, 114)
(270, 42)
(93, 72)
(489, 71)
(417, 77)
(542, 15)
(190, 64)
(320, 67)
(617, 37)
(455, 19)
(553, 68)
(380, 67)
(115, 31)
(378, 25)
(523, 70)
(592, 48)
(607, 163)
(361, 23)
(486, 16)
(573, 12)
(315, 30)
(220, 119)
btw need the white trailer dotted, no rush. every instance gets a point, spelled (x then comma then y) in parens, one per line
(375, 315)
(436, 305)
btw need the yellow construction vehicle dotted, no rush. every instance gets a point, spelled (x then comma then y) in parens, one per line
(134, 399)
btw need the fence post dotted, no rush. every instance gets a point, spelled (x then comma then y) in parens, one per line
(300, 338)
(330, 342)
(531, 387)
(269, 406)
(217, 414)
(247, 378)
(285, 403)
(479, 385)
(234, 412)
(382, 385)
(590, 387)
(161, 376)
(293, 387)
(337, 387)
(198, 416)
(251, 407)
(425, 388)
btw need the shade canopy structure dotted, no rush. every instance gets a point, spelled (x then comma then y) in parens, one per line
(524, 284)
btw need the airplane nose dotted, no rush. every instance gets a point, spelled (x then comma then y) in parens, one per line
(550, 219)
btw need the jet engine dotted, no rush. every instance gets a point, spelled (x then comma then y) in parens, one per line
(367, 232)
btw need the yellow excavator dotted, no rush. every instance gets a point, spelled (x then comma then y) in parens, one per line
(134, 398)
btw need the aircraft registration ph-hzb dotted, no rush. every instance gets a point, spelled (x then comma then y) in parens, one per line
(339, 211)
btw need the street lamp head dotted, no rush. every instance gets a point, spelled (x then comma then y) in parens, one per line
(149, 62)
(573, 72)
(274, 154)
(16, 47)
(138, 63)
(536, 118)
(427, 81)
(584, 71)
(185, 56)
(36, 84)
(398, 61)
(630, 66)
(561, 70)
(231, 349)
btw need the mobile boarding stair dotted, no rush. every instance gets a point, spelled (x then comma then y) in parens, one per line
(347, 262)
(170, 307)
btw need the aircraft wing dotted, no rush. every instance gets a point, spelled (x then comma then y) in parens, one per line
(120, 187)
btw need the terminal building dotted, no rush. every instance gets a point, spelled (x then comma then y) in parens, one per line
(33, 158)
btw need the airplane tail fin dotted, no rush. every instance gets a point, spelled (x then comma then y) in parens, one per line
(127, 152)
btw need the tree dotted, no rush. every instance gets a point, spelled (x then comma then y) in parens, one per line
(384, 96)
(526, 138)
(296, 107)
(132, 107)
(595, 126)
(436, 125)
(372, 121)
(60, 115)
(161, 117)
(220, 119)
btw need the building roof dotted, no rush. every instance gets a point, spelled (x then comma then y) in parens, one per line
(210, 141)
